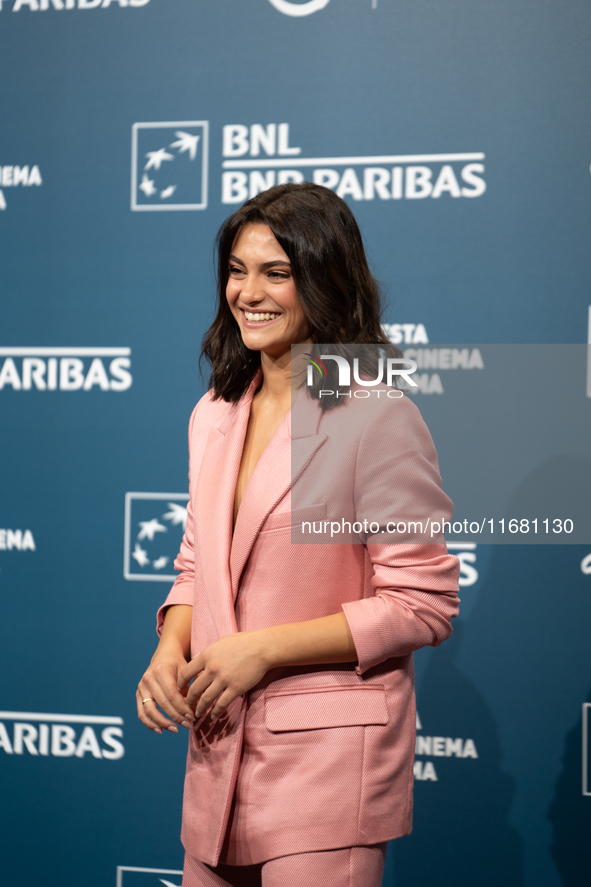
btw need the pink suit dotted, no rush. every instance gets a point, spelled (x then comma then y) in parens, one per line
(315, 757)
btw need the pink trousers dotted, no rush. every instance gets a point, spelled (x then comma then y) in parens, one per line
(350, 867)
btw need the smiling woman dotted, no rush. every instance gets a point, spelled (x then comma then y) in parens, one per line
(291, 664)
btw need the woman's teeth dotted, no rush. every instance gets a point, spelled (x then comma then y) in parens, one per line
(259, 317)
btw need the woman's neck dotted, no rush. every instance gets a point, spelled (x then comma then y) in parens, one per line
(275, 385)
(281, 378)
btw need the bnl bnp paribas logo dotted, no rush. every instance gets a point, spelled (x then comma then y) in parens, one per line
(259, 156)
(65, 369)
(45, 735)
(169, 168)
(154, 527)
(53, 5)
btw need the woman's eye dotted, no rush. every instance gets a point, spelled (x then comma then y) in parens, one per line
(234, 269)
(278, 275)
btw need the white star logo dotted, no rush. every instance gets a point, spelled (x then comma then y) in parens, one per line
(140, 555)
(168, 192)
(186, 142)
(177, 514)
(155, 158)
(147, 186)
(149, 528)
(160, 562)
(167, 883)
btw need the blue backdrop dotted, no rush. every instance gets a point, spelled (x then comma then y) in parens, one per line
(460, 135)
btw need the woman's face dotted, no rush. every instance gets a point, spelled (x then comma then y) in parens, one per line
(262, 295)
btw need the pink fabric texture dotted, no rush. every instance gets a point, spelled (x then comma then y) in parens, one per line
(313, 758)
(349, 867)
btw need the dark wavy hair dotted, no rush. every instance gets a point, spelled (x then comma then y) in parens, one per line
(339, 295)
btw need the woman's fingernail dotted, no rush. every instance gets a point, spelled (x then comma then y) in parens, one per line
(186, 724)
(157, 730)
(173, 728)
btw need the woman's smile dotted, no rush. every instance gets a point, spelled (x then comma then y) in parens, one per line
(259, 318)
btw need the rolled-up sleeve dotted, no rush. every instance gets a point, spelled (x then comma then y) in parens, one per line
(415, 599)
(182, 592)
(414, 585)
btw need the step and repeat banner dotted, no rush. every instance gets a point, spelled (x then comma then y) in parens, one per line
(460, 136)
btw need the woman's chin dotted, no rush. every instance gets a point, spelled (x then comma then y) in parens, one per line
(258, 341)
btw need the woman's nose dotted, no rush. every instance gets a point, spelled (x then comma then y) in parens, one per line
(250, 290)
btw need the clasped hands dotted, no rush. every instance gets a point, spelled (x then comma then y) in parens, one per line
(224, 670)
(230, 666)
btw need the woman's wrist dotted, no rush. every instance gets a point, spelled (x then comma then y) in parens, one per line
(267, 647)
(176, 631)
(278, 645)
(170, 648)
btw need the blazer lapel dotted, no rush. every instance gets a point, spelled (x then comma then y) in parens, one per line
(282, 462)
(214, 506)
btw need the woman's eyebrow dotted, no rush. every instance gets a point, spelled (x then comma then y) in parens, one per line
(274, 264)
(264, 265)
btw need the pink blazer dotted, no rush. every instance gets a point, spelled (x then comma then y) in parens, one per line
(320, 757)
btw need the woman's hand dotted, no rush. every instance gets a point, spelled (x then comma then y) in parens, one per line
(159, 685)
(237, 662)
(223, 671)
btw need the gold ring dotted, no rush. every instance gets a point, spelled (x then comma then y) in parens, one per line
(147, 699)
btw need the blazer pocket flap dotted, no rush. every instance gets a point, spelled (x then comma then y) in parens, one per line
(280, 519)
(325, 707)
